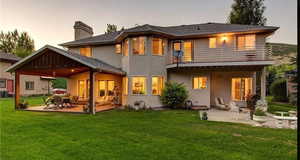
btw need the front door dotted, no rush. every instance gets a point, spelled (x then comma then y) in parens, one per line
(10, 86)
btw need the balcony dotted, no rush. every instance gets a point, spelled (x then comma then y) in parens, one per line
(259, 54)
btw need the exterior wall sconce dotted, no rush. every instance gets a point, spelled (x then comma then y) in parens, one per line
(72, 70)
(224, 39)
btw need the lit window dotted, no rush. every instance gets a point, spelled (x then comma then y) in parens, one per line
(138, 85)
(199, 82)
(118, 48)
(101, 88)
(241, 88)
(29, 85)
(157, 85)
(212, 42)
(110, 88)
(157, 46)
(2, 83)
(187, 53)
(87, 51)
(125, 85)
(138, 45)
(88, 88)
(176, 46)
(246, 42)
(125, 47)
(81, 88)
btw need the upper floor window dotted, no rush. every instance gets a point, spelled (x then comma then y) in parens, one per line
(138, 45)
(188, 51)
(118, 48)
(29, 85)
(177, 46)
(157, 46)
(213, 42)
(246, 42)
(139, 85)
(125, 47)
(157, 85)
(199, 82)
(87, 51)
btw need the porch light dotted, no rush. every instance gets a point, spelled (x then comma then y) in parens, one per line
(224, 39)
(72, 70)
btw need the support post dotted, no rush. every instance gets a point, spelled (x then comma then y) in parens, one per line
(91, 95)
(17, 89)
(263, 84)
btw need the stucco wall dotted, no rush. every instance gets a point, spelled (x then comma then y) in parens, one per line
(40, 86)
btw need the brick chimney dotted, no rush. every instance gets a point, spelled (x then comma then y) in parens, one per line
(82, 30)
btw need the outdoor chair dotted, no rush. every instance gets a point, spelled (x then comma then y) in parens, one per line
(220, 104)
(58, 102)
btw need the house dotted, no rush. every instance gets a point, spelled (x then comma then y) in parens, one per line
(30, 85)
(218, 60)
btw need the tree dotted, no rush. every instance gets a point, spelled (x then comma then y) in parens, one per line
(59, 83)
(16, 43)
(111, 28)
(248, 12)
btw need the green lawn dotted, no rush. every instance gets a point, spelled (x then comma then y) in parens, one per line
(172, 134)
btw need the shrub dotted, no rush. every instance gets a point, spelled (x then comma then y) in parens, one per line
(293, 99)
(278, 90)
(23, 104)
(174, 95)
(259, 112)
(262, 104)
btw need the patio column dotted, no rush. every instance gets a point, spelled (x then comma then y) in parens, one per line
(17, 89)
(91, 95)
(263, 83)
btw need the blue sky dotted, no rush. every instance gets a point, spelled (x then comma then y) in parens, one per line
(51, 21)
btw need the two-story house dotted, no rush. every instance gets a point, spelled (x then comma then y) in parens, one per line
(211, 59)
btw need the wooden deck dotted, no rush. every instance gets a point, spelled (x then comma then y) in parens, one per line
(76, 109)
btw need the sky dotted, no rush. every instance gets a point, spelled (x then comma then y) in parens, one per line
(51, 21)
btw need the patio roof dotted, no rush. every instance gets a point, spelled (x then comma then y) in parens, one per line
(49, 59)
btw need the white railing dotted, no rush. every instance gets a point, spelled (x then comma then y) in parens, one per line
(225, 54)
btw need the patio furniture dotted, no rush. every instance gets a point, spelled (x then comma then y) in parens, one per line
(58, 102)
(292, 121)
(220, 104)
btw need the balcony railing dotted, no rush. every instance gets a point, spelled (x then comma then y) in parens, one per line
(225, 54)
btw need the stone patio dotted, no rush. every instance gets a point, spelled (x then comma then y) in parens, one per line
(242, 117)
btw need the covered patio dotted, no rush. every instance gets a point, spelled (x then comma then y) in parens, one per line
(55, 62)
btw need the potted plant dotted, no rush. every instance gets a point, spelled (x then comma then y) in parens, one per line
(259, 116)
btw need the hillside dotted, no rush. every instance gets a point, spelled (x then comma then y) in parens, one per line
(282, 52)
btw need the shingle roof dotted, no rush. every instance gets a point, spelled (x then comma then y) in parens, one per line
(172, 31)
(9, 57)
(88, 61)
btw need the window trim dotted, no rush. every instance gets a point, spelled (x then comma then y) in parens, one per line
(163, 46)
(5, 85)
(244, 47)
(231, 96)
(209, 42)
(91, 50)
(163, 81)
(132, 46)
(28, 82)
(198, 76)
(120, 48)
(146, 86)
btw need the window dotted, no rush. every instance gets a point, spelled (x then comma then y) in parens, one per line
(246, 42)
(157, 46)
(88, 88)
(138, 45)
(125, 47)
(81, 88)
(110, 88)
(212, 42)
(118, 48)
(138, 85)
(241, 88)
(102, 88)
(2, 83)
(125, 86)
(176, 46)
(29, 85)
(199, 82)
(157, 85)
(87, 51)
(187, 53)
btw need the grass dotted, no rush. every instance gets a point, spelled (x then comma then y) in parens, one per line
(274, 107)
(120, 134)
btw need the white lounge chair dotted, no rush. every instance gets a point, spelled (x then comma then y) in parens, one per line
(220, 104)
